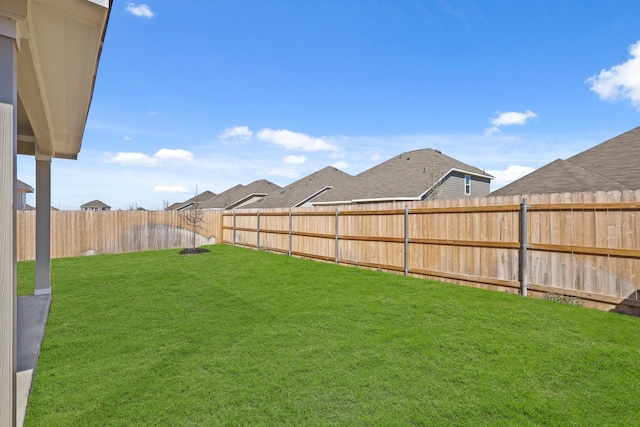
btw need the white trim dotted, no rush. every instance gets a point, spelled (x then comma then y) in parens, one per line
(8, 28)
(244, 199)
(313, 196)
(337, 202)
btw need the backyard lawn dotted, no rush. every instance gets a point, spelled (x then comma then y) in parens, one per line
(243, 337)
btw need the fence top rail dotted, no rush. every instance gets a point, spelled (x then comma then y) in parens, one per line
(466, 209)
(585, 206)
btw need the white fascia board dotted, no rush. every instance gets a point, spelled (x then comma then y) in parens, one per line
(335, 202)
(387, 199)
(103, 3)
(481, 175)
(312, 196)
(244, 199)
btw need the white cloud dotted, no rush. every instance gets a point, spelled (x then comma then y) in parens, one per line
(131, 159)
(508, 119)
(620, 82)
(169, 154)
(140, 10)
(507, 176)
(145, 160)
(286, 173)
(341, 165)
(171, 189)
(238, 132)
(294, 160)
(295, 141)
(153, 113)
(127, 138)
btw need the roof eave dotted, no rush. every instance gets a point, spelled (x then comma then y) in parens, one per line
(60, 46)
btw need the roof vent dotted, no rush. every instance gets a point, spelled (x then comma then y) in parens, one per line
(438, 151)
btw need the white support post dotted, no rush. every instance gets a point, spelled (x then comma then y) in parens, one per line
(43, 225)
(8, 272)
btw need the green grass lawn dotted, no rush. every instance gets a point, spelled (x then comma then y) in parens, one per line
(242, 337)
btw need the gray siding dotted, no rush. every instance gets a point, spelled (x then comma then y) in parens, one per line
(453, 187)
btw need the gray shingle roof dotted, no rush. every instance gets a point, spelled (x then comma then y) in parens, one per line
(95, 204)
(406, 176)
(611, 165)
(303, 190)
(240, 194)
(200, 198)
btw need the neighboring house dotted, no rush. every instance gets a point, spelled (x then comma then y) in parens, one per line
(305, 190)
(611, 165)
(32, 208)
(198, 198)
(23, 189)
(241, 195)
(95, 205)
(411, 176)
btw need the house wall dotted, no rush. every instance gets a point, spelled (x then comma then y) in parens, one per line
(453, 187)
(21, 201)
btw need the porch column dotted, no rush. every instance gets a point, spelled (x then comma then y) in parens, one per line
(8, 192)
(43, 224)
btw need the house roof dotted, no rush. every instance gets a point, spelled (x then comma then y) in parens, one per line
(304, 190)
(95, 204)
(611, 165)
(408, 176)
(200, 198)
(241, 195)
(23, 187)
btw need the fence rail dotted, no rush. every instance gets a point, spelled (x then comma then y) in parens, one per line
(581, 244)
(76, 233)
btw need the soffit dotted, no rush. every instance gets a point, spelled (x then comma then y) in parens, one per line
(59, 49)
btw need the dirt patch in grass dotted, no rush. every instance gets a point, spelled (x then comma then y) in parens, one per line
(191, 251)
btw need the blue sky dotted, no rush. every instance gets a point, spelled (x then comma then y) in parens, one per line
(208, 94)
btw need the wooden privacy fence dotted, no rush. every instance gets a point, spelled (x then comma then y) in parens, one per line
(75, 233)
(584, 245)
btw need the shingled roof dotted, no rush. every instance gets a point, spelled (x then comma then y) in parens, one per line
(304, 190)
(241, 195)
(200, 198)
(95, 204)
(408, 176)
(611, 165)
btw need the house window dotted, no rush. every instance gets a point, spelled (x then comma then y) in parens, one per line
(467, 185)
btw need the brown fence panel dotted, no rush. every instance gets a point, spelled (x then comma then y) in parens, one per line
(77, 233)
(582, 244)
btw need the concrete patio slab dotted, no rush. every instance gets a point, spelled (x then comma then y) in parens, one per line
(33, 312)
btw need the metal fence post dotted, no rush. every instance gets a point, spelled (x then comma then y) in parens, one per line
(290, 231)
(524, 274)
(233, 239)
(406, 240)
(258, 230)
(336, 250)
